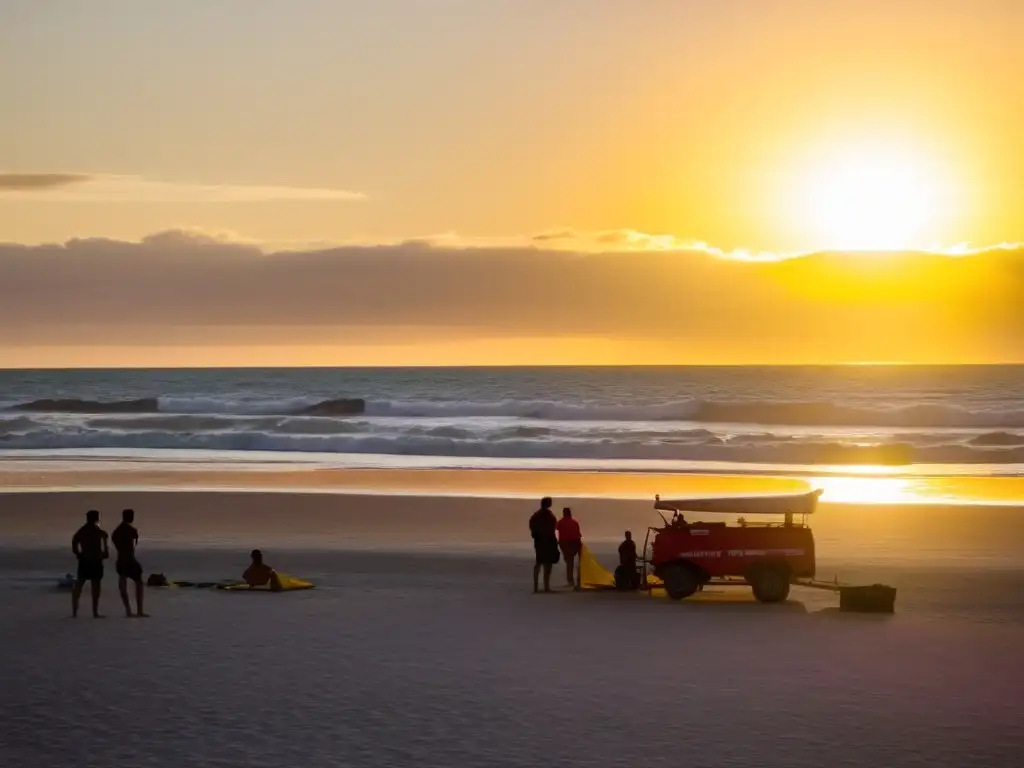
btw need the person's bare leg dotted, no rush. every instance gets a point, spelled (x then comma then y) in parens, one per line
(122, 586)
(536, 575)
(76, 594)
(96, 587)
(547, 577)
(140, 591)
(568, 570)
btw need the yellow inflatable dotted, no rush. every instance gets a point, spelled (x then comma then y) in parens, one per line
(288, 584)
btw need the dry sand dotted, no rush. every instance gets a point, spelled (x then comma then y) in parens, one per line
(422, 644)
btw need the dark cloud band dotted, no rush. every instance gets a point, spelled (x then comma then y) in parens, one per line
(185, 289)
(28, 182)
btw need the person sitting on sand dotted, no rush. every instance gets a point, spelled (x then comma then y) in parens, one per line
(90, 547)
(125, 538)
(259, 573)
(571, 543)
(545, 542)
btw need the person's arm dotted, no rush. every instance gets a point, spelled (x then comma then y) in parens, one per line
(247, 576)
(106, 547)
(76, 544)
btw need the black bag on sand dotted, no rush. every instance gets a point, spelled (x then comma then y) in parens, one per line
(156, 580)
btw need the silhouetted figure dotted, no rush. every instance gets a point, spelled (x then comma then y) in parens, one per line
(259, 573)
(626, 576)
(90, 547)
(125, 538)
(545, 542)
(570, 540)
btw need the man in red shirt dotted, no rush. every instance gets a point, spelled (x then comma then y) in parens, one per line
(571, 542)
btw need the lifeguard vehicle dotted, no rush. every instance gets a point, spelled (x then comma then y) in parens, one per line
(770, 553)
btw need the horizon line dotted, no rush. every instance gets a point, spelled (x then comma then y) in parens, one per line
(507, 366)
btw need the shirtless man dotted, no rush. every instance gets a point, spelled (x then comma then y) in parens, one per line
(126, 538)
(90, 547)
(545, 542)
(259, 573)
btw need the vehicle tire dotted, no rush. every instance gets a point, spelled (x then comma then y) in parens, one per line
(771, 585)
(680, 581)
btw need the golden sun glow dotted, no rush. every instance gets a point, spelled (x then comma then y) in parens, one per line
(866, 490)
(873, 198)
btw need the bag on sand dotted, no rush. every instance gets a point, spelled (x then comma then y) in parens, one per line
(156, 580)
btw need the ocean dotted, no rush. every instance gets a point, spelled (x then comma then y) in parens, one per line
(961, 420)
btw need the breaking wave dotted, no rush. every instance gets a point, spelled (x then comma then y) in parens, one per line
(903, 431)
(708, 411)
(325, 435)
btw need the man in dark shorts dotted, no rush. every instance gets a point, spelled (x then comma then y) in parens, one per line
(545, 542)
(90, 547)
(126, 538)
(570, 540)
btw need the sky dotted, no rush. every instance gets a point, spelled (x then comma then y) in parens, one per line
(520, 181)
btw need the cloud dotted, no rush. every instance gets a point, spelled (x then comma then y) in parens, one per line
(110, 188)
(188, 287)
(36, 182)
(633, 240)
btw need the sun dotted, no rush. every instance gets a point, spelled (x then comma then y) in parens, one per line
(872, 198)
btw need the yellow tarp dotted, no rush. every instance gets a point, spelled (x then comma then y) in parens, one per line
(593, 575)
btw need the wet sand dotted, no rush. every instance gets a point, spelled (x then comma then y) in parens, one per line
(875, 485)
(422, 644)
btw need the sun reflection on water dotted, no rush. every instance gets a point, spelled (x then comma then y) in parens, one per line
(870, 490)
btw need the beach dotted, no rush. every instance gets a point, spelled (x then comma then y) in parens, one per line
(422, 643)
(345, 319)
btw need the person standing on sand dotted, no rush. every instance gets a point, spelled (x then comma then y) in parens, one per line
(571, 543)
(90, 547)
(126, 538)
(545, 542)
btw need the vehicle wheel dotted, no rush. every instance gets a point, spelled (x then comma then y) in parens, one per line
(771, 585)
(680, 581)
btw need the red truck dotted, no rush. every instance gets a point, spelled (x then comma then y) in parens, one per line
(769, 556)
